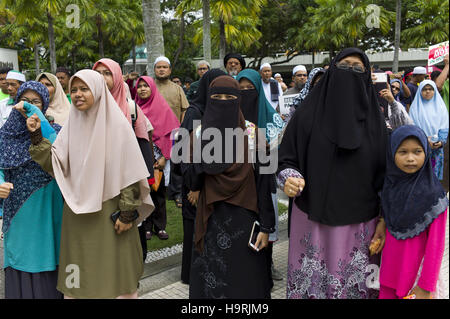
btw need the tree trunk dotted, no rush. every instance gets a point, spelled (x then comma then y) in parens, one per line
(223, 40)
(51, 41)
(206, 31)
(74, 67)
(397, 35)
(154, 37)
(181, 41)
(100, 37)
(133, 43)
(36, 59)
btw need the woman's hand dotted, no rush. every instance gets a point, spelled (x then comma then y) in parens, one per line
(5, 189)
(293, 185)
(33, 123)
(420, 293)
(193, 197)
(434, 145)
(161, 163)
(21, 108)
(262, 241)
(387, 94)
(379, 238)
(121, 227)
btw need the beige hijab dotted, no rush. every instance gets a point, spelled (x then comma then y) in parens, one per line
(59, 105)
(96, 153)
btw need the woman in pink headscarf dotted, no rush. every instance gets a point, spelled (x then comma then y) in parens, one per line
(164, 122)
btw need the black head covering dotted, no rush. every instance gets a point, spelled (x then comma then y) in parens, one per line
(337, 141)
(410, 201)
(236, 56)
(222, 115)
(197, 108)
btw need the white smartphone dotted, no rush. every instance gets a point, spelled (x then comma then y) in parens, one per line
(254, 236)
(380, 77)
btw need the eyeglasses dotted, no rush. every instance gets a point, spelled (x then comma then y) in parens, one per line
(36, 102)
(427, 89)
(395, 88)
(355, 67)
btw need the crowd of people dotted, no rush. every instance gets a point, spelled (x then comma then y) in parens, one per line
(87, 162)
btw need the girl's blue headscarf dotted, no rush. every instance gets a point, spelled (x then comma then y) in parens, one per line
(410, 202)
(14, 135)
(400, 93)
(268, 118)
(430, 115)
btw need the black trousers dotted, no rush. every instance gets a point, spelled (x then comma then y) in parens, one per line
(143, 239)
(158, 219)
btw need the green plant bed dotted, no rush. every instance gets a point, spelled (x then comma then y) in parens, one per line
(175, 227)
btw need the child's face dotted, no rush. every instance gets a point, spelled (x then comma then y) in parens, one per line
(410, 156)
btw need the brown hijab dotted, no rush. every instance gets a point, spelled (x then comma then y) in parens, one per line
(236, 183)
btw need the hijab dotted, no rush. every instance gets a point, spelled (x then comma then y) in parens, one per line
(120, 94)
(430, 115)
(308, 86)
(14, 135)
(232, 183)
(160, 115)
(337, 141)
(400, 93)
(410, 202)
(59, 105)
(197, 107)
(268, 118)
(19, 169)
(96, 154)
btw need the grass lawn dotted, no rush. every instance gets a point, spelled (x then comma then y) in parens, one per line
(175, 227)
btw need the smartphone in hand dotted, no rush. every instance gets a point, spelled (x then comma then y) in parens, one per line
(253, 236)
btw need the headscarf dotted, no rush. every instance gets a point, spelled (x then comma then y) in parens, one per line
(337, 141)
(197, 107)
(410, 202)
(59, 105)
(14, 135)
(120, 93)
(308, 86)
(19, 169)
(235, 183)
(235, 56)
(268, 118)
(400, 93)
(96, 154)
(430, 115)
(160, 115)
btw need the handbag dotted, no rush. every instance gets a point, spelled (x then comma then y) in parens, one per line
(158, 177)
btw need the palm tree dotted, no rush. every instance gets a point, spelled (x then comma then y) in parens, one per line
(206, 9)
(151, 12)
(398, 25)
(431, 23)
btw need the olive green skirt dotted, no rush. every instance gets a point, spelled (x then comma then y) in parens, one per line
(95, 262)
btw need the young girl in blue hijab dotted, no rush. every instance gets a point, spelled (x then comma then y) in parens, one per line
(414, 206)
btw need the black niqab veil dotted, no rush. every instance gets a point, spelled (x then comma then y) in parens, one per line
(250, 105)
(197, 108)
(337, 141)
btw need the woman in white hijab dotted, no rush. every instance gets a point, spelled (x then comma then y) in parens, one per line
(99, 168)
(59, 104)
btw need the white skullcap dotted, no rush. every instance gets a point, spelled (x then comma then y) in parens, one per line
(419, 70)
(161, 58)
(299, 68)
(265, 65)
(16, 75)
(277, 75)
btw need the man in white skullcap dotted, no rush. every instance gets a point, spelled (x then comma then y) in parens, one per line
(14, 79)
(418, 76)
(272, 89)
(172, 93)
(279, 78)
(299, 77)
